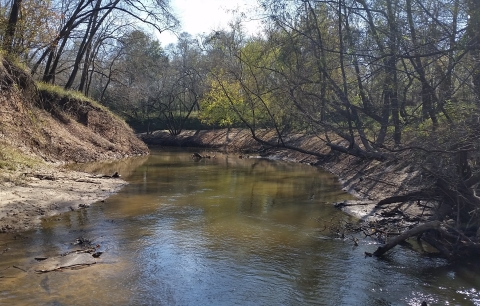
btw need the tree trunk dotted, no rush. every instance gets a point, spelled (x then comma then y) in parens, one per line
(429, 97)
(11, 26)
(474, 43)
(85, 45)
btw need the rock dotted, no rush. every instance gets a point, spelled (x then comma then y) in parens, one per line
(70, 261)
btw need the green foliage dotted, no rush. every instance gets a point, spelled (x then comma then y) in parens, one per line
(14, 59)
(460, 110)
(222, 104)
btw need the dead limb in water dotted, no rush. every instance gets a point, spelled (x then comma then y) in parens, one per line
(196, 156)
(412, 232)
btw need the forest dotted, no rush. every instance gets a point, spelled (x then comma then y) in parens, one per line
(379, 80)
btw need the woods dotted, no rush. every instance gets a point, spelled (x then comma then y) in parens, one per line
(381, 80)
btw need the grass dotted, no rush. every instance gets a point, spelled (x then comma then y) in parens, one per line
(75, 95)
(12, 58)
(64, 93)
(12, 159)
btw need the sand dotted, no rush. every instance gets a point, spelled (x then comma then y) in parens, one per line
(48, 192)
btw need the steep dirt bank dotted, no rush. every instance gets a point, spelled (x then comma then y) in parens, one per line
(369, 180)
(42, 130)
(57, 128)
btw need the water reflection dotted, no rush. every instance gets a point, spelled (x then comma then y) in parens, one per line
(223, 231)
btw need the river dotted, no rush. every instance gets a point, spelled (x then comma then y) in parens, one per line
(222, 231)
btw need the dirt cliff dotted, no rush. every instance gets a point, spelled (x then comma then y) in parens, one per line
(58, 128)
(42, 129)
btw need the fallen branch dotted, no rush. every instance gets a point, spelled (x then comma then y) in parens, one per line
(286, 146)
(413, 196)
(60, 269)
(405, 235)
(17, 267)
(87, 181)
(348, 203)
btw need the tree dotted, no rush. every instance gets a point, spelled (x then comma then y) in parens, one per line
(33, 29)
(12, 25)
(182, 84)
(133, 78)
(368, 73)
(83, 18)
(473, 36)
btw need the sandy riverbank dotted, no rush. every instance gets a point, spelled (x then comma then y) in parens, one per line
(26, 198)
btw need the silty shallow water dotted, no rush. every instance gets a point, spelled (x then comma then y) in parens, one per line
(223, 231)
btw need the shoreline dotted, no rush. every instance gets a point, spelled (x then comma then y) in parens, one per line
(369, 181)
(50, 191)
(53, 190)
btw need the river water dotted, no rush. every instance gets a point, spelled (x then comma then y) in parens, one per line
(223, 231)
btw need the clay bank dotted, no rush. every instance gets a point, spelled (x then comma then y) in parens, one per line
(40, 132)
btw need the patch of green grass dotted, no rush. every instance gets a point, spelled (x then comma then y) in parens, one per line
(74, 95)
(14, 59)
(63, 93)
(12, 159)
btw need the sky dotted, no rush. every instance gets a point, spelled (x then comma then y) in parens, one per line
(203, 16)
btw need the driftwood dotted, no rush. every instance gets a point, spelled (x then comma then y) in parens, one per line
(17, 267)
(405, 235)
(114, 175)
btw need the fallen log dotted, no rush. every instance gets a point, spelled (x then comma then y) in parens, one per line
(413, 196)
(350, 203)
(405, 235)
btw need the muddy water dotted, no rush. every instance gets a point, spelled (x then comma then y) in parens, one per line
(223, 231)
